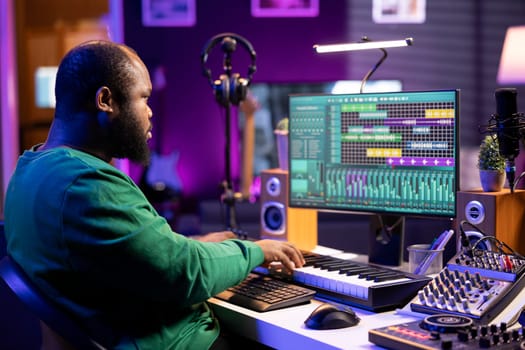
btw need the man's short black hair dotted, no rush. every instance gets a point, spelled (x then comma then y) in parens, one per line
(88, 67)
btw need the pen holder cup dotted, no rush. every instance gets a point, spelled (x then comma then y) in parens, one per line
(424, 261)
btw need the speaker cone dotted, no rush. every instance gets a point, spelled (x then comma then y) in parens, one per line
(273, 217)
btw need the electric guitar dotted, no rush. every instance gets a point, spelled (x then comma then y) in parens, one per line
(160, 181)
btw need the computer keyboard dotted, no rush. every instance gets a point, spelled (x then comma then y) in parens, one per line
(263, 293)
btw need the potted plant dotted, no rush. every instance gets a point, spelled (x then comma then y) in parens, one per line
(491, 165)
(281, 135)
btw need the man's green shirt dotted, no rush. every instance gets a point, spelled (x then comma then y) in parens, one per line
(88, 237)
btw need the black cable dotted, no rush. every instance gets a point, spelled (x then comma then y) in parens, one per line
(465, 242)
(497, 243)
(388, 230)
(518, 179)
(501, 246)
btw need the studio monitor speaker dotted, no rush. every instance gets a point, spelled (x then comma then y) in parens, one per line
(500, 214)
(278, 220)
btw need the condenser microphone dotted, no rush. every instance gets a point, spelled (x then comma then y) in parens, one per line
(508, 130)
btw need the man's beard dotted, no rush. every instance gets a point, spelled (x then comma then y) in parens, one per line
(128, 139)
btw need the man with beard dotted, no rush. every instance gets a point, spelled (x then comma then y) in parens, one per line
(86, 235)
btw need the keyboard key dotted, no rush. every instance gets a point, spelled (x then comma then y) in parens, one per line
(264, 293)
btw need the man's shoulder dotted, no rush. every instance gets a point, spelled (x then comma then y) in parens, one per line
(65, 165)
(69, 157)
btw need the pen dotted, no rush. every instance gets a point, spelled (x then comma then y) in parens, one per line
(438, 244)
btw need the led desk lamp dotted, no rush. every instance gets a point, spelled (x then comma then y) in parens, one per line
(365, 44)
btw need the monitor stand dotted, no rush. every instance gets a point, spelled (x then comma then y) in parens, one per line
(386, 239)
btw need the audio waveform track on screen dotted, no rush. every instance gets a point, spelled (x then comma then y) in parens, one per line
(373, 152)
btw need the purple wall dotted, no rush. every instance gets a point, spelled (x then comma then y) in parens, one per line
(186, 116)
(458, 46)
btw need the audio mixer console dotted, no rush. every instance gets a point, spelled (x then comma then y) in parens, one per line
(478, 285)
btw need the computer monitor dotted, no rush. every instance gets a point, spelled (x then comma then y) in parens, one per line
(392, 154)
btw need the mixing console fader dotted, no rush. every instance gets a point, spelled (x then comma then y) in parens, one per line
(479, 285)
(490, 264)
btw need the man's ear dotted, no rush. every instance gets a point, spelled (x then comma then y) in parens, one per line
(104, 100)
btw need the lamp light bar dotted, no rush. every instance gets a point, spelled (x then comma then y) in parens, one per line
(367, 45)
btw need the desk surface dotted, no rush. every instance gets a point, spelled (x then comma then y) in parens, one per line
(284, 329)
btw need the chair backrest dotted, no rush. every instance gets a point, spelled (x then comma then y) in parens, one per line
(19, 283)
(3, 243)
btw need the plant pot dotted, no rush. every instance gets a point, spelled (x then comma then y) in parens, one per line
(492, 180)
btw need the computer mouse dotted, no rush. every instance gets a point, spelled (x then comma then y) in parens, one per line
(330, 316)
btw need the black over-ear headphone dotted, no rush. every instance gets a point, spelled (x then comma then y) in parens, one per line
(229, 88)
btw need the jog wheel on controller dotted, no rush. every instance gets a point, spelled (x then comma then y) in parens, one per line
(444, 323)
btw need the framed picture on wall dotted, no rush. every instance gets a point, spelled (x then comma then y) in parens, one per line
(399, 11)
(285, 8)
(168, 13)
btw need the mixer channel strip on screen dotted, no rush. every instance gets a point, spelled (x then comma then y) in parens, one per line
(367, 286)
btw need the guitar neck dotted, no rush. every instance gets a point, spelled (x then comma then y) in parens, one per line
(248, 145)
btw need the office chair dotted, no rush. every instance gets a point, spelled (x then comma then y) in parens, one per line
(59, 331)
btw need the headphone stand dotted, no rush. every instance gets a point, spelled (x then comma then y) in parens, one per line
(228, 196)
(228, 89)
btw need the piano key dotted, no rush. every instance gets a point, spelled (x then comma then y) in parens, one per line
(336, 282)
(338, 279)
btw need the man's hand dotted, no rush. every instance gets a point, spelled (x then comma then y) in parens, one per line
(285, 252)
